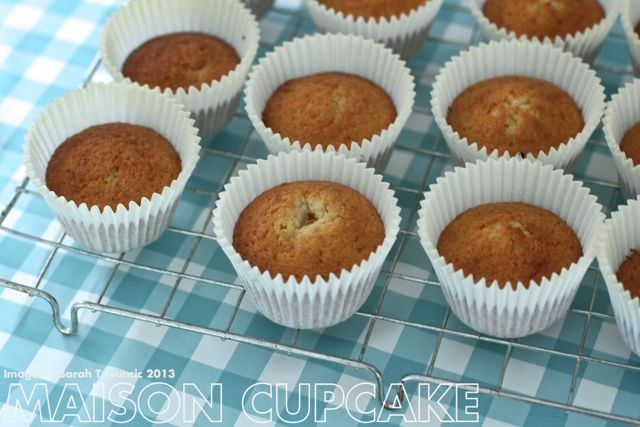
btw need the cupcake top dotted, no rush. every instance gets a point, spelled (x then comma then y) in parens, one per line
(630, 144)
(509, 242)
(329, 109)
(544, 18)
(629, 274)
(375, 9)
(112, 163)
(180, 60)
(308, 228)
(514, 114)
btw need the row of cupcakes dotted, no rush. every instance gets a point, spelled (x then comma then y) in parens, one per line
(576, 26)
(213, 103)
(508, 98)
(299, 251)
(350, 56)
(135, 224)
(397, 23)
(510, 241)
(619, 258)
(301, 299)
(507, 308)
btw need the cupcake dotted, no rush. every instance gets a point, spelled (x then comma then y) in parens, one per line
(374, 9)
(516, 115)
(307, 233)
(112, 161)
(622, 133)
(339, 92)
(180, 60)
(517, 98)
(509, 243)
(576, 26)
(619, 260)
(509, 254)
(308, 228)
(542, 19)
(259, 7)
(329, 110)
(401, 24)
(196, 50)
(112, 164)
(630, 18)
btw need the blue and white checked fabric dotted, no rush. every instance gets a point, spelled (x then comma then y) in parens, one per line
(46, 47)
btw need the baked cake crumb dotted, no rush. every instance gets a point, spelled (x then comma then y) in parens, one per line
(111, 164)
(329, 109)
(180, 60)
(509, 242)
(544, 18)
(308, 228)
(515, 114)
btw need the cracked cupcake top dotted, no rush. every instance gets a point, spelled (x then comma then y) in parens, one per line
(113, 163)
(544, 18)
(518, 115)
(308, 228)
(329, 109)
(180, 60)
(374, 8)
(509, 242)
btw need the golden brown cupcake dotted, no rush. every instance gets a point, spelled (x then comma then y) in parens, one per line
(113, 163)
(180, 60)
(544, 18)
(630, 144)
(374, 8)
(509, 242)
(308, 228)
(515, 114)
(329, 109)
(629, 274)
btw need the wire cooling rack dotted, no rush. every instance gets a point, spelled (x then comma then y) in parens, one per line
(434, 154)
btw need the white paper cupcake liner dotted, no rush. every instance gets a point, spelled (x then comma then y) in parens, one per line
(485, 307)
(585, 44)
(139, 223)
(259, 7)
(630, 17)
(212, 105)
(312, 302)
(620, 235)
(521, 58)
(405, 34)
(622, 113)
(325, 53)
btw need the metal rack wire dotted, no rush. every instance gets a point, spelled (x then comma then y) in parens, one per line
(291, 349)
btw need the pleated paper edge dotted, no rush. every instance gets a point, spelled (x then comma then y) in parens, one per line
(485, 180)
(584, 44)
(462, 66)
(61, 115)
(374, 152)
(316, 296)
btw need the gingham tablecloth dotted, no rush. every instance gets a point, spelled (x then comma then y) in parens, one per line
(46, 47)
